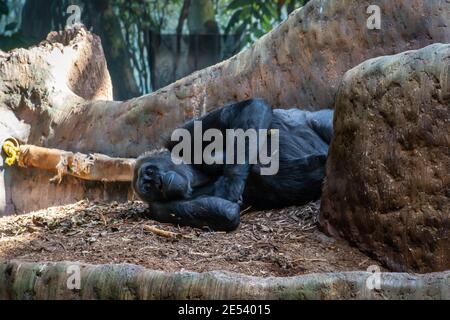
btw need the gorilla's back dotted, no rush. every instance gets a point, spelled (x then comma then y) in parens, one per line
(303, 147)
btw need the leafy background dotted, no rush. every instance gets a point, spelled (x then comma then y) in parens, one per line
(149, 43)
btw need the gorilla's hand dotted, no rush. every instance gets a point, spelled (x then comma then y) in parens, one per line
(212, 212)
(230, 188)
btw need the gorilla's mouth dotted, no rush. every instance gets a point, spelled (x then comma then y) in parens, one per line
(155, 186)
(146, 187)
(159, 184)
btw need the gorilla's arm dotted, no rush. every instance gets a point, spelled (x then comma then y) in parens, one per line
(250, 114)
(212, 212)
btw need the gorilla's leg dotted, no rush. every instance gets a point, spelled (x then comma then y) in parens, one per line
(212, 212)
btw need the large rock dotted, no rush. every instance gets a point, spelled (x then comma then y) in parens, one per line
(388, 173)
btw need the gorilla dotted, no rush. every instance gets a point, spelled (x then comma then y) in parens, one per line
(211, 195)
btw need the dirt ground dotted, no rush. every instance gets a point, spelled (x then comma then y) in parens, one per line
(269, 243)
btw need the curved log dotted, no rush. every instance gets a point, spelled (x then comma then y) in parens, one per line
(95, 167)
(24, 280)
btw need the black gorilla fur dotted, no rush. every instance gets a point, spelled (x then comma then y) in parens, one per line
(202, 195)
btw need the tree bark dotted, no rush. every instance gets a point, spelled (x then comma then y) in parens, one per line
(54, 95)
(22, 280)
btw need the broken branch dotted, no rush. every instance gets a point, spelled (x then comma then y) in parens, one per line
(96, 167)
(162, 233)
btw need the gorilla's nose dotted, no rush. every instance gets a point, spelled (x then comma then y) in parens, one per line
(158, 182)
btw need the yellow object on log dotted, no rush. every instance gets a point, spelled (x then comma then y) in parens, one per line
(12, 151)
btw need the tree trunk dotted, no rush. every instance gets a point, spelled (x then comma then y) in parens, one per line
(66, 280)
(37, 19)
(107, 26)
(54, 95)
(204, 35)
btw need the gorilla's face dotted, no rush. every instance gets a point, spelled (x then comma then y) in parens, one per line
(157, 178)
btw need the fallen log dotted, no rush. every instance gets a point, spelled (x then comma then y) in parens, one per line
(94, 167)
(72, 280)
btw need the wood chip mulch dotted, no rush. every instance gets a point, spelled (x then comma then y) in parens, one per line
(281, 242)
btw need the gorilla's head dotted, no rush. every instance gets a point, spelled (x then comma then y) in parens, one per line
(157, 178)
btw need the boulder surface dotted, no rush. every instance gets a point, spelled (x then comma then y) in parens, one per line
(388, 172)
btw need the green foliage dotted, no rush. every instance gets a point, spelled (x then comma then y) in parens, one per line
(16, 40)
(253, 18)
(156, 15)
(11, 26)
